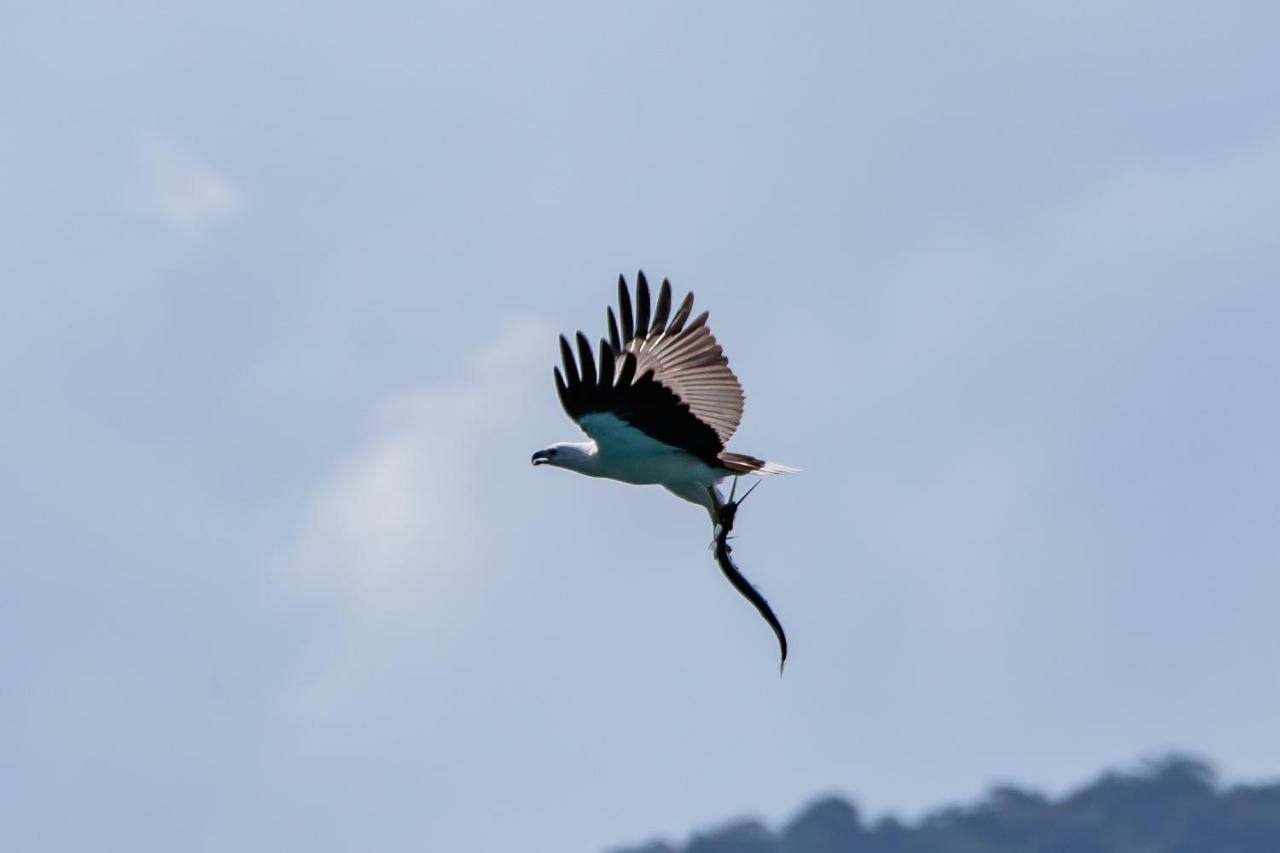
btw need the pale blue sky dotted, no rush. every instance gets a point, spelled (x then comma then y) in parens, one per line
(279, 289)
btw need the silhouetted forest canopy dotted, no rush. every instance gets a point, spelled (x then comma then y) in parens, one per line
(1174, 805)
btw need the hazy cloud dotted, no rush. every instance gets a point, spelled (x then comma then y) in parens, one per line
(182, 190)
(394, 536)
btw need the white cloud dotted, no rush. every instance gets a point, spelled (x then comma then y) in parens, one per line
(396, 537)
(181, 190)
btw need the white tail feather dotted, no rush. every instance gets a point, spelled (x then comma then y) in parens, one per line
(771, 468)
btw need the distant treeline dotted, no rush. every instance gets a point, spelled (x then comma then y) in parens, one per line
(1171, 806)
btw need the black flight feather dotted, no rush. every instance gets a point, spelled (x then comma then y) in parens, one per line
(627, 374)
(613, 333)
(570, 366)
(642, 304)
(562, 390)
(606, 364)
(588, 364)
(682, 314)
(663, 310)
(624, 305)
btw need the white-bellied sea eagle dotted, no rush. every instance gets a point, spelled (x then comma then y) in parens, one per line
(659, 404)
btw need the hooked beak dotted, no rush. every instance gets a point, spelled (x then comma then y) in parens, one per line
(542, 457)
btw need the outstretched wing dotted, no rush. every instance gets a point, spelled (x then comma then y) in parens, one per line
(610, 401)
(685, 359)
(669, 380)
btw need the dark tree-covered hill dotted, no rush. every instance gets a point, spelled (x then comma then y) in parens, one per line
(1170, 806)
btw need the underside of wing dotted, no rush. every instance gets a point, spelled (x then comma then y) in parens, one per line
(617, 436)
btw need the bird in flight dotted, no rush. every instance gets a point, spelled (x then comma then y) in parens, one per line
(659, 404)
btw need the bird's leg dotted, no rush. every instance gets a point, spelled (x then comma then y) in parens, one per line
(731, 506)
(727, 511)
(716, 508)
